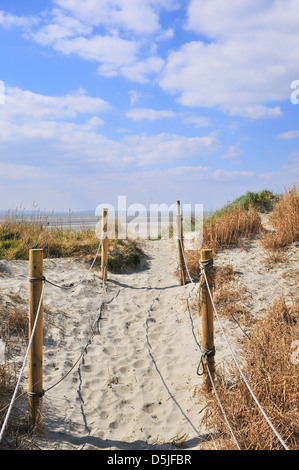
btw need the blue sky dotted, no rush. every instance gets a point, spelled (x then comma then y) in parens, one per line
(155, 100)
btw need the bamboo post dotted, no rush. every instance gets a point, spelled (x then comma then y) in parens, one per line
(105, 244)
(35, 378)
(179, 231)
(206, 257)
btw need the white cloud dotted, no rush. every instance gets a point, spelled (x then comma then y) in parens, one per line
(198, 121)
(26, 105)
(256, 111)
(142, 69)
(8, 20)
(248, 60)
(20, 172)
(36, 127)
(137, 16)
(113, 33)
(225, 175)
(139, 114)
(62, 27)
(289, 135)
(232, 152)
(134, 96)
(216, 18)
(162, 148)
(111, 52)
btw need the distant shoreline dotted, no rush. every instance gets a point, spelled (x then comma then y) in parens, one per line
(86, 218)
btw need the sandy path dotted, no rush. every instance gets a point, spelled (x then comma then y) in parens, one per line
(133, 386)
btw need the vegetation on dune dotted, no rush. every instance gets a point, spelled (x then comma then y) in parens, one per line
(229, 226)
(124, 254)
(262, 201)
(267, 347)
(272, 374)
(241, 220)
(237, 219)
(285, 222)
(18, 237)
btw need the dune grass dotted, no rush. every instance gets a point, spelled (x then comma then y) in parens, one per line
(285, 221)
(224, 230)
(267, 356)
(17, 237)
(262, 201)
(272, 374)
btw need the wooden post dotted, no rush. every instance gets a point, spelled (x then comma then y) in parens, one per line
(105, 244)
(35, 379)
(179, 231)
(207, 318)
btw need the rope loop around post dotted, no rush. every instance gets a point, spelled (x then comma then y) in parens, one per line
(205, 263)
(204, 266)
(206, 353)
(36, 394)
(40, 278)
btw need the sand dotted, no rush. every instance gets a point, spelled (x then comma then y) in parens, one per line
(132, 353)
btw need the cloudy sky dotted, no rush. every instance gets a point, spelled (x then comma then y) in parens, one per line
(157, 100)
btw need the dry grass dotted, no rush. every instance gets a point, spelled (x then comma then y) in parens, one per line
(14, 323)
(16, 431)
(228, 229)
(13, 332)
(273, 376)
(285, 221)
(224, 231)
(7, 385)
(230, 298)
(18, 237)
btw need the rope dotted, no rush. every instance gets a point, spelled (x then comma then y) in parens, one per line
(23, 366)
(42, 278)
(206, 353)
(82, 280)
(97, 320)
(238, 366)
(185, 262)
(83, 350)
(221, 407)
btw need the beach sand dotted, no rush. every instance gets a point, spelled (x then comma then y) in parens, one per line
(130, 348)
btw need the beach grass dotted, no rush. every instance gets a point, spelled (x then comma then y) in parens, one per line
(225, 230)
(241, 220)
(17, 237)
(285, 222)
(273, 378)
(262, 201)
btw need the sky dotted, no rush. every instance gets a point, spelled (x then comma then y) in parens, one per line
(154, 100)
